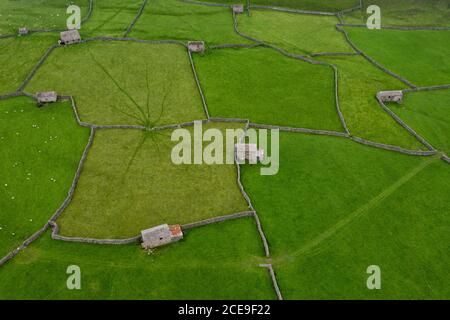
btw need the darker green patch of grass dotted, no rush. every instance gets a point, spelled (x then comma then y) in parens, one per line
(337, 207)
(172, 19)
(214, 262)
(427, 113)
(419, 56)
(41, 149)
(406, 12)
(266, 87)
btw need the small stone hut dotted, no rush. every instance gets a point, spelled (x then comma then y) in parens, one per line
(196, 46)
(69, 37)
(46, 97)
(23, 31)
(249, 152)
(390, 96)
(238, 8)
(161, 235)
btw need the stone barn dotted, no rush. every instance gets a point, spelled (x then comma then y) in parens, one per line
(46, 97)
(248, 152)
(390, 96)
(23, 31)
(69, 37)
(196, 46)
(238, 8)
(161, 235)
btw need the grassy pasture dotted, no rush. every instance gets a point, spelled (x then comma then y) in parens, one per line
(359, 82)
(171, 19)
(406, 12)
(41, 149)
(406, 235)
(428, 113)
(298, 33)
(323, 5)
(266, 87)
(129, 183)
(214, 262)
(18, 56)
(153, 86)
(111, 18)
(419, 56)
(36, 14)
(329, 215)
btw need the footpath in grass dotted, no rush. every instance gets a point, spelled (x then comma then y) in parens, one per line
(421, 56)
(298, 33)
(153, 86)
(36, 14)
(406, 13)
(213, 262)
(359, 82)
(266, 87)
(111, 18)
(172, 19)
(19, 55)
(41, 149)
(427, 112)
(129, 183)
(328, 216)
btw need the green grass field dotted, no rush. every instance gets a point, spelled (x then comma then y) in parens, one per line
(129, 183)
(293, 32)
(123, 88)
(323, 5)
(36, 14)
(111, 18)
(172, 19)
(359, 83)
(407, 12)
(419, 56)
(334, 208)
(324, 231)
(214, 262)
(266, 87)
(427, 112)
(41, 149)
(18, 56)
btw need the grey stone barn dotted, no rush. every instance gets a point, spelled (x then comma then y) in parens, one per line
(238, 8)
(196, 46)
(161, 235)
(46, 97)
(23, 31)
(390, 96)
(248, 151)
(69, 37)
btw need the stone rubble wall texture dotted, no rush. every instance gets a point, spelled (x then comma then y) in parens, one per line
(217, 219)
(274, 279)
